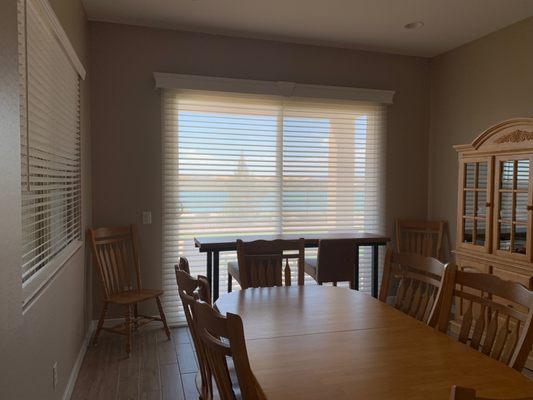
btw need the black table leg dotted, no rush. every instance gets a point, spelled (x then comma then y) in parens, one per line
(375, 269)
(216, 277)
(209, 271)
(356, 272)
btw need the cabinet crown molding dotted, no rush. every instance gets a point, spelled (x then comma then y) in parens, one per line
(511, 134)
(516, 136)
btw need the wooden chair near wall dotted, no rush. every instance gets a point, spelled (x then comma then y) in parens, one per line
(420, 237)
(335, 262)
(462, 393)
(496, 316)
(414, 283)
(260, 263)
(223, 338)
(190, 290)
(115, 254)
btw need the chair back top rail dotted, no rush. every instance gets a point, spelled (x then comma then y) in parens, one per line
(494, 315)
(463, 393)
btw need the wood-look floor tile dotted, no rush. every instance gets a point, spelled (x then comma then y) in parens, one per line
(189, 386)
(166, 352)
(152, 372)
(186, 358)
(129, 372)
(171, 385)
(149, 375)
(180, 335)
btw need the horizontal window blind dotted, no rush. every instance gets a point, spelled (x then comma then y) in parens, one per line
(50, 143)
(251, 164)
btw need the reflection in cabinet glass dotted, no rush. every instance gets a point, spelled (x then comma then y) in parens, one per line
(513, 201)
(475, 202)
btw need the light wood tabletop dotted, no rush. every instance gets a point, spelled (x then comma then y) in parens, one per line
(319, 342)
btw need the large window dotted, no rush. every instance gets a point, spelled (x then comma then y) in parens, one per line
(248, 164)
(50, 144)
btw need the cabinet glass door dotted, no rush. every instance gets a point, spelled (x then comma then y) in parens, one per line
(475, 203)
(512, 210)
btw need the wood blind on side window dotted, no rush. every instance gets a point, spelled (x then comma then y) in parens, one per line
(50, 141)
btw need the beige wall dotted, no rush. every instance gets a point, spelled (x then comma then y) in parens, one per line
(472, 88)
(53, 328)
(126, 112)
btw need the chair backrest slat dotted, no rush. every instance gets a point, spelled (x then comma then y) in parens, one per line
(264, 263)
(116, 257)
(223, 338)
(414, 282)
(498, 316)
(420, 237)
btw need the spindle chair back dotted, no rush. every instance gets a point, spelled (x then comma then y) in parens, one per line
(496, 316)
(264, 263)
(413, 282)
(223, 338)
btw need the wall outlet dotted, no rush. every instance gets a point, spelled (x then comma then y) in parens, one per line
(54, 375)
(147, 217)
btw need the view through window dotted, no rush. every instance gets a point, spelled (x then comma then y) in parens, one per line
(264, 165)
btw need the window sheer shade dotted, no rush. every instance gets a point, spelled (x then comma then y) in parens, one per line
(253, 164)
(50, 142)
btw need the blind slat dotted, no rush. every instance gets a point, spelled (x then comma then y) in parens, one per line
(263, 165)
(50, 143)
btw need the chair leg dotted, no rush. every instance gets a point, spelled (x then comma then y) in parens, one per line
(100, 323)
(135, 316)
(230, 286)
(163, 318)
(128, 324)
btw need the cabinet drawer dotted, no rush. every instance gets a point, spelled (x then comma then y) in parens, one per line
(478, 266)
(526, 280)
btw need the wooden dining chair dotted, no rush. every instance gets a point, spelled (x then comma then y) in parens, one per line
(190, 290)
(420, 237)
(462, 393)
(335, 262)
(260, 263)
(223, 339)
(115, 254)
(494, 316)
(413, 284)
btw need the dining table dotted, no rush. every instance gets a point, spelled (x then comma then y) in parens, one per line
(324, 342)
(214, 245)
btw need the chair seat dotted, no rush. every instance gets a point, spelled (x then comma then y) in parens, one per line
(311, 266)
(233, 270)
(134, 296)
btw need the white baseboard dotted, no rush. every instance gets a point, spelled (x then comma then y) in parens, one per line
(79, 360)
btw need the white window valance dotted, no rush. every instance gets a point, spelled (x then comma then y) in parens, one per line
(286, 89)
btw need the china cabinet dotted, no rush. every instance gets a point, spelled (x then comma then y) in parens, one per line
(494, 221)
(495, 203)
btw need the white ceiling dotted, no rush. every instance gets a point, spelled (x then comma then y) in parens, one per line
(362, 24)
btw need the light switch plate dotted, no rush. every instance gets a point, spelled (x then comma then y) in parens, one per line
(147, 217)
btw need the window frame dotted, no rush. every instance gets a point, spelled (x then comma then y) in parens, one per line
(33, 285)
